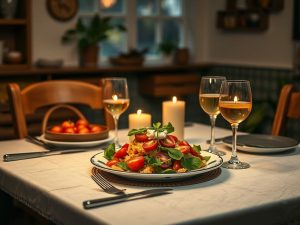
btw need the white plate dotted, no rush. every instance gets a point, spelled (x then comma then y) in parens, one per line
(77, 144)
(99, 161)
(261, 143)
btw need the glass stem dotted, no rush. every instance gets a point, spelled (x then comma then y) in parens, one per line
(212, 133)
(234, 158)
(116, 140)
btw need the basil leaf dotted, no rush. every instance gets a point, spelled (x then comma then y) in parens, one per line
(169, 128)
(197, 148)
(191, 163)
(123, 165)
(156, 125)
(154, 161)
(137, 131)
(168, 171)
(172, 152)
(110, 151)
(207, 158)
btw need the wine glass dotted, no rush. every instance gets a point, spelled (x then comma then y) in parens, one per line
(115, 100)
(235, 106)
(209, 101)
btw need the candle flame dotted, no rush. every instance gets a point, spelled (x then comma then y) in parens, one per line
(107, 3)
(174, 99)
(235, 99)
(139, 112)
(115, 97)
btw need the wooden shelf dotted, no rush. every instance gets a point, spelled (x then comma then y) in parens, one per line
(243, 20)
(9, 22)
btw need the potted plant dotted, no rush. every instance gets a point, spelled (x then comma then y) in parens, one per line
(89, 36)
(167, 48)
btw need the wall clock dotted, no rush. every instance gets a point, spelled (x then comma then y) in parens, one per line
(62, 10)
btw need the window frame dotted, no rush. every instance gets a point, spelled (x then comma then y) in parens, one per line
(132, 18)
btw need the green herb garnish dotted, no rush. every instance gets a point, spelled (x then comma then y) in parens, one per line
(172, 152)
(110, 151)
(191, 162)
(157, 127)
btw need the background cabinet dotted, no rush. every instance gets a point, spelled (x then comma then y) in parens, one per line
(16, 35)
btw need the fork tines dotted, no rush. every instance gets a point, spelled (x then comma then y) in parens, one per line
(105, 184)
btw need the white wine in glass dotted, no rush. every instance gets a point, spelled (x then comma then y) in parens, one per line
(115, 100)
(235, 106)
(209, 101)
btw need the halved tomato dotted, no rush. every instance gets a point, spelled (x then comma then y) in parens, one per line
(185, 149)
(141, 137)
(173, 137)
(184, 143)
(195, 153)
(177, 165)
(168, 142)
(136, 163)
(112, 162)
(150, 145)
(122, 152)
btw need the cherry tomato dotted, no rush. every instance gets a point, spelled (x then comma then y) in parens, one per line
(67, 124)
(83, 130)
(136, 163)
(141, 137)
(167, 142)
(173, 137)
(150, 145)
(185, 149)
(177, 165)
(82, 122)
(69, 130)
(95, 129)
(184, 143)
(122, 152)
(81, 126)
(56, 129)
(194, 152)
(165, 159)
(112, 162)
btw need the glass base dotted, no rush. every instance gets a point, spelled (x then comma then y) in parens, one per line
(215, 151)
(239, 165)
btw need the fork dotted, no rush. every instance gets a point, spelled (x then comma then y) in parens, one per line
(105, 184)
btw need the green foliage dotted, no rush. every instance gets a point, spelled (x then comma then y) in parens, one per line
(110, 151)
(91, 34)
(167, 47)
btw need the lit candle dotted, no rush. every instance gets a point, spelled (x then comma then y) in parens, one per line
(174, 112)
(139, 120)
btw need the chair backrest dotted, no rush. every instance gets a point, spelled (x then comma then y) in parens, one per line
(27, 101)
(288, 107)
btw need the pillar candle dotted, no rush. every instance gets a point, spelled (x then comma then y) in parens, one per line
(174, 112)
(139, 120)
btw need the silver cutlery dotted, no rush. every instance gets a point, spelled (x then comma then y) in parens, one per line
(89, 204)
(30, 155)
(105, 184)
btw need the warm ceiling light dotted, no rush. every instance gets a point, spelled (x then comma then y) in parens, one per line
(107, 3)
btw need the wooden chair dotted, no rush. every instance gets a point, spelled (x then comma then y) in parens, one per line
(288, 107)
(30, 99)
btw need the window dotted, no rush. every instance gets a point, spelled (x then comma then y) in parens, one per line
(148, 22)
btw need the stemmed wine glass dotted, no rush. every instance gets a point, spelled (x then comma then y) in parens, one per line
(209, 101)
(235, 106)
(115, 100)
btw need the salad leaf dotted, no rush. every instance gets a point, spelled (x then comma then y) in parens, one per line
(207, 158)
(169, 128)
(191, 163)
(110, 151)
(152, 161)
(172, 152)
(156, 125)
(168, 171)
(137, 131)
(123, 165)
(197, 148)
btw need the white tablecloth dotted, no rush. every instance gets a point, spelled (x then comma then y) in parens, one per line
(56, 186)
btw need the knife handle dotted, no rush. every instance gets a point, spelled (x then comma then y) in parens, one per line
(20, 156)
(89, 204)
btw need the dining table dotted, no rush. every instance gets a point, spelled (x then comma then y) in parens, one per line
(56, 187)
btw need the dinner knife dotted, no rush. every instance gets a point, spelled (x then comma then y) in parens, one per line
(89, 204)
(30, 155)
